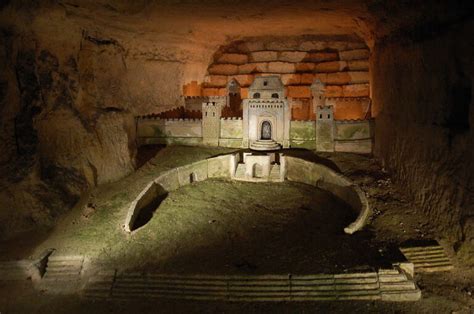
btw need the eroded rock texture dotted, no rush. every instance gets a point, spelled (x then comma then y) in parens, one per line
(422, 97)
(64, 127)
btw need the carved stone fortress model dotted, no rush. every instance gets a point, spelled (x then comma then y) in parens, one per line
(261, 122)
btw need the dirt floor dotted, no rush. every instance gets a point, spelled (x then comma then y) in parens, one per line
(223, 227)
(218, 226)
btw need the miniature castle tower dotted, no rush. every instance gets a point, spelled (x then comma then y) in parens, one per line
(234, 100)
(325, 129)
(324, 118)
(233, 87)
(211, 119)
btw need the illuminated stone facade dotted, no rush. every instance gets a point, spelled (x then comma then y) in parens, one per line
(263, 121)
(266, 115)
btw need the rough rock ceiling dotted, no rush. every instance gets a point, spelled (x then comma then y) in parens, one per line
(212, 22)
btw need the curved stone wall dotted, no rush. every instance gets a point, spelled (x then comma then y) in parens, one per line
(217, 167)
(296, 169)
(307, 172)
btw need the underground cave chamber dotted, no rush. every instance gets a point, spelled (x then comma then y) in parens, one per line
(228, 152)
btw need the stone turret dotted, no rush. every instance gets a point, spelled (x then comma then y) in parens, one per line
(233, 87)
(325, 129)
(211, 118)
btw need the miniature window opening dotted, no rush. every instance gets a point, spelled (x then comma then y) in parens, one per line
(265, 83)
(321, 116)
(275, 95)
(213, 114)
(329, 116)
(256, 95)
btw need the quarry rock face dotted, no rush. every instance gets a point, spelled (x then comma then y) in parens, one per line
(102, 156)
(423, 105)
(65, 125)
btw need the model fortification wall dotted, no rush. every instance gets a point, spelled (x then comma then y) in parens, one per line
(267, 122)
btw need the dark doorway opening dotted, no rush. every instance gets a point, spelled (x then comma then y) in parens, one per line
(266, 132)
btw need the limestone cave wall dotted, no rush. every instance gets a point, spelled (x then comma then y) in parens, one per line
(63, 129)
(423, 104)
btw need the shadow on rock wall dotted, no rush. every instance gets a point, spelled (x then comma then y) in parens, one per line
(59, 135)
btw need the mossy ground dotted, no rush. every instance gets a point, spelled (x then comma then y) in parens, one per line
(214, 226)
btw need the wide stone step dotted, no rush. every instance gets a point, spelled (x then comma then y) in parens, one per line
(20, 263)
(264, 145)
(429, 248)
(401, 296)
(63, 268)
(434, 269)
(388, 272)
(53, 273)
(61, 278)
(392, 278)
(15, 270)
(407, 285)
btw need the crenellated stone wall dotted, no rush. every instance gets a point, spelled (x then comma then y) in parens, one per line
(346, 136)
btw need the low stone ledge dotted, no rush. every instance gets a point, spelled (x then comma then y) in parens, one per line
(219, 166)
(195, 172)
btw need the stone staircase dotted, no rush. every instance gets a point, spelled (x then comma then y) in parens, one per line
(395, 285)
(63, 274)
(264, 145)
(63, 268)
(385, 285)
(16, 270)
(427, 259)
(99, 286)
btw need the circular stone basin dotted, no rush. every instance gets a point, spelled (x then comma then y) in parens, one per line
(221, 226)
